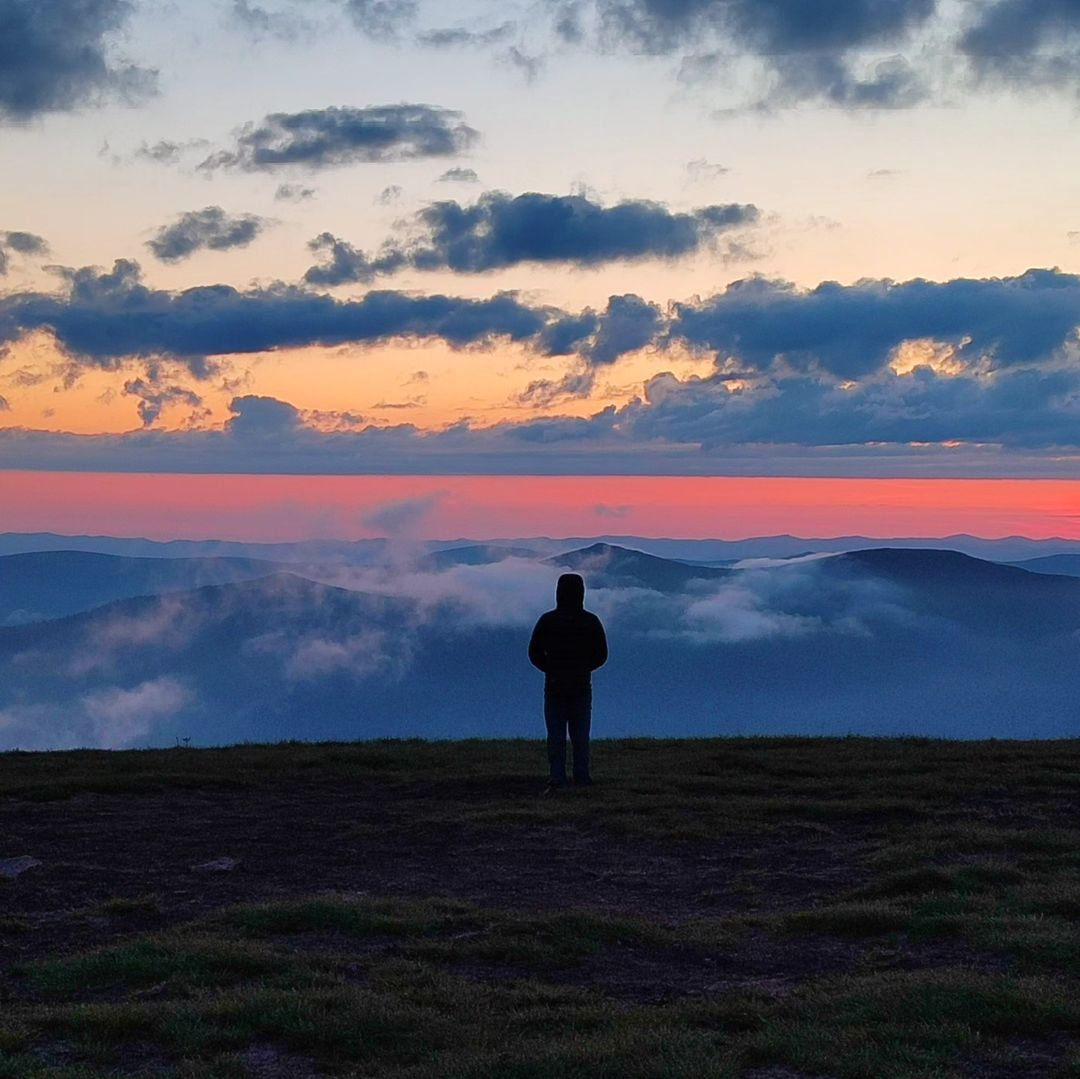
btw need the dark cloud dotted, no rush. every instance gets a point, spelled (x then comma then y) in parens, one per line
(54, 57)
(383, 20)
(891, 83)
(629, 323)
(294, 193)
(1026, 408)
(850, 330)
(460, 176)
(262, 418)
(21, 243)
(154, 397)
(812, 51)
(389, 194)
(4, 406)
(26, 243)
(210, 228)
(261, 23)
(1025, 42)
(346, 263)
(320, 138)
(106, 318)
(1017, 423)
(501, 230)
(764, 27)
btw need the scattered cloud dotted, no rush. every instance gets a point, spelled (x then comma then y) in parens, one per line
(208, 229)
(1025, 43)
(851, 330)
(462, 38)
(382, 20)
(459, 176)
(500, 230)
(700, 170)
(294, 193)
(260, 23)
(26, 244)
(105, 318)
(55, 57)
(823, 52)
(323, 138)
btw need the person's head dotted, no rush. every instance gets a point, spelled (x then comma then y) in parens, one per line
(570, 591)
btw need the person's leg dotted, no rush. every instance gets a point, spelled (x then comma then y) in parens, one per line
(580, 721)
(555, 720)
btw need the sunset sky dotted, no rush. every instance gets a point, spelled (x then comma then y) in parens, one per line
(516, 262)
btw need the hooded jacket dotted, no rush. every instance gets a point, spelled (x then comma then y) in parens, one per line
(568, 643)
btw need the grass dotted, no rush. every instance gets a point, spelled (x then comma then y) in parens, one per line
(946, 944)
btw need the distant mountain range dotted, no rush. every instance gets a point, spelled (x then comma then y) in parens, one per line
(50, 584)
(117, 650)
(370, 552)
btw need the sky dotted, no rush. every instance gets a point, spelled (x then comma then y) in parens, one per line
(488, 245)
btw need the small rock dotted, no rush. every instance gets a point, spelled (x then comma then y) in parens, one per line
(218, 865)
(13, 867)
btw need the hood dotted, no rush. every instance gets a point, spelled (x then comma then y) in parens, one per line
(570, 592)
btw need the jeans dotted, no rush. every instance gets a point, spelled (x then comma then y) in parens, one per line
(568, 711)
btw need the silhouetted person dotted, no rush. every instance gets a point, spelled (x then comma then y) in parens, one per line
(568, 644)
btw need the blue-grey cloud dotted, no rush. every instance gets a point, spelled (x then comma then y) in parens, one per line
(460, 176)
(54, 57)
(767, 27)
(500, 230)
(21, 243)
(321, 138)
(383, 20)
(922, 423)
(812, 51)
(851, 330)
(106, 318)
(261, 23)
(462, 38)
(155, 395)
(294, 193)
(208, 229)
(1019, 408)
(1025, 42)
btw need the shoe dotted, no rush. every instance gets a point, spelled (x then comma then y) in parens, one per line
(586, 782)
(554, 785)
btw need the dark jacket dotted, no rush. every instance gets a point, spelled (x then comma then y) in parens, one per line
(568, 643)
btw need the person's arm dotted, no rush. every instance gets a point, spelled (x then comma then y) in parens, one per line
(599, 645)
(538, 646)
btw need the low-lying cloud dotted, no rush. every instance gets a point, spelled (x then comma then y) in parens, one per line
(501, 230)
(345, 135)
(210, 229)
(55, 57)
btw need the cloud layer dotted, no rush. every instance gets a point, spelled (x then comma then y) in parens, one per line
(210, 228)
(501, 230)
(54, 57)
(322, 138)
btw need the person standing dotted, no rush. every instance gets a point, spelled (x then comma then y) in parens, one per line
(568, 644)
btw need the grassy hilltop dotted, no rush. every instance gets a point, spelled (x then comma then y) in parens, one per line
(767, 908)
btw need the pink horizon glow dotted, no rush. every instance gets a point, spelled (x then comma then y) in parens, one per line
(284, 508)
